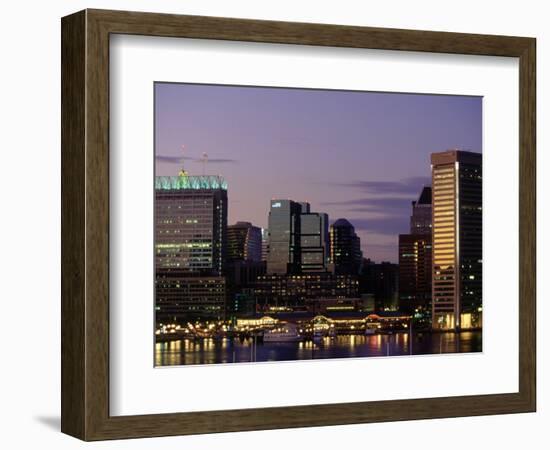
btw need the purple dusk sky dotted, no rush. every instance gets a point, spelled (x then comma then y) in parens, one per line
(360, 155)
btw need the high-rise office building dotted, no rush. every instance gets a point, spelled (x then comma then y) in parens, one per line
(415, 274)
(345, 248)
(244, 242)
(244, 265)
(421, 217)
(284, 236)
(265, 243)
(298, 238)
(191, 223)
(190, 246)
(314, 242)
(415, 260)
(457, 239)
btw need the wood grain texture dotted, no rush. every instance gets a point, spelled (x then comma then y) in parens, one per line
(527, 224)
(73, 108)
(85, 224)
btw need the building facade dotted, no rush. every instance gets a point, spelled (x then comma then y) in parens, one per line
(415, 261)
(381, 281)
(294, 291)
(265, 243)
(284, 235)
(457, 240)
(190, 246)
(345, 248)
(415, 274)
(421, 217)
(298, 239)
(182, 298)
(314, 242)
(244, 242)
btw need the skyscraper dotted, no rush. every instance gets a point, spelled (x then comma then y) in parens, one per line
(265, 243)
(314, 242)
(190, 246)
(191, 223)
(244, 265)
(415, 273)
(244, 242)
(284, 236)
(298, 258)
(457, 239)
(415, 259)
(345, 248)
(421, 217)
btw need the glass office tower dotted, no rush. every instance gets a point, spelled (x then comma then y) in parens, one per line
(314, 242)
(284, 235)
(244, 242)
(457, 240)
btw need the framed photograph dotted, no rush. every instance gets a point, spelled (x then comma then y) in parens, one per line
(272, 225)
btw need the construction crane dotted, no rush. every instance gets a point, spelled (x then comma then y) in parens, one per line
(183, 172)
(204, 160)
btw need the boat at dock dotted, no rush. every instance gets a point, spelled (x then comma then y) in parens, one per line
(286, 333)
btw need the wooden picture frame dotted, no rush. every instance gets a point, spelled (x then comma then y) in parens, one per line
(85, 224)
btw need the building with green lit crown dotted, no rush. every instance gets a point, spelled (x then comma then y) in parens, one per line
(190, 247)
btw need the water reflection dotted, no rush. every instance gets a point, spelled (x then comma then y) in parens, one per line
(214, 351)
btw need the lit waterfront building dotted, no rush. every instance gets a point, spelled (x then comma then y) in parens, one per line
(457, 239)
(345, 247)
(183, 298)
(294, 290)
(190, 246)
(244, 242)
(345, 322)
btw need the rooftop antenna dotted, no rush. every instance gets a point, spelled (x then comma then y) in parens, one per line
(204, 160)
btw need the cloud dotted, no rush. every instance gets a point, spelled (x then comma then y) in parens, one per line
(388, 201)
(391, 225)
(390, 204)
(378, 204)
(180, 159)
(220, 160)
(382, 209)
(412, 185)
(171, 159)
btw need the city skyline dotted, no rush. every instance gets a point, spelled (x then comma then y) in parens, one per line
(224, 301)
(362, 156)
